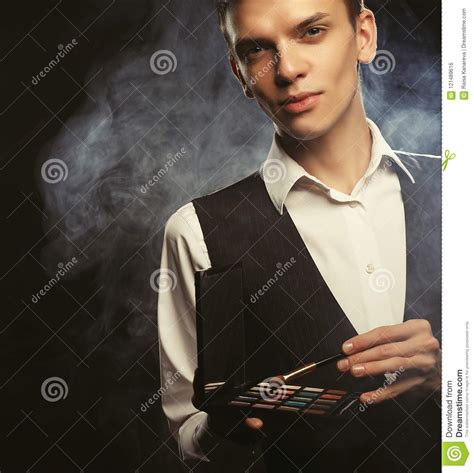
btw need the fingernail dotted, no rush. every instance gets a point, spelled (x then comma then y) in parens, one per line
(343, 365)
(358, 370)
(347, 347)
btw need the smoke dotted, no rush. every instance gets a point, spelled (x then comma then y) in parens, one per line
(145, 142)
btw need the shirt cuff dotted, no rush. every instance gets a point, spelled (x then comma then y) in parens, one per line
(190, 433)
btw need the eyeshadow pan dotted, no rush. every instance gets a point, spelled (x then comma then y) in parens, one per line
(308, 395)
(287, 408)
(324, 407)
(330, 396)
(295, 404)
(288, 386)
(247, 398)
(239, 403)
(302, 399)
(325, 401)
(263, 406)
(314, 390)
(336, 391)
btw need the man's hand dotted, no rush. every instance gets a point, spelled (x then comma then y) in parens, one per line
(409, 348)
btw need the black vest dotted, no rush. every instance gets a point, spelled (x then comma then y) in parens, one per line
(298, 320)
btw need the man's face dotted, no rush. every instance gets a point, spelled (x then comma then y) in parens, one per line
(284, 48)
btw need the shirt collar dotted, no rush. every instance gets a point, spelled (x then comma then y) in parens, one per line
(280, 172)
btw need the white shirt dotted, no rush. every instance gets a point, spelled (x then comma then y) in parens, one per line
(357, 242)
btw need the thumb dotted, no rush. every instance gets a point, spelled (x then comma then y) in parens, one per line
(254, 423)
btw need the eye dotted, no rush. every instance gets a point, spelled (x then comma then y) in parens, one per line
(252, 52)
(313, 31)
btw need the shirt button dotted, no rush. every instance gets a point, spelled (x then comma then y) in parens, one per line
(370, 268)
(353, 205)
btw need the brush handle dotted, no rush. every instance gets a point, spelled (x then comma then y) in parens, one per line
(311, 367)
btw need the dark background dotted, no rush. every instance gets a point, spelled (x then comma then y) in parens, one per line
(104, 113)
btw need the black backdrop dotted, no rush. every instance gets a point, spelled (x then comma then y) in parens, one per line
(112, 122)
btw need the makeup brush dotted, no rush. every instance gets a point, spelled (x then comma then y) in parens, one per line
(309, 368)
(284, 378)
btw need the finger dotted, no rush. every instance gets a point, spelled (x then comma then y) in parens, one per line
(378, 353)
(254, 423)
(391, 391)
(422, 364)
(413, 346)
(386, 334)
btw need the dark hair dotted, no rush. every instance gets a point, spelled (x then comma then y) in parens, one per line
(354, 8)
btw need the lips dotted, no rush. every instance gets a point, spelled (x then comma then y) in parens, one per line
(301, 102)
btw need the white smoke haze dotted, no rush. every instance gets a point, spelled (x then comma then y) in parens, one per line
(119, 139)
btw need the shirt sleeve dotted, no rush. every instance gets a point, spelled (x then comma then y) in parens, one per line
(183, 252)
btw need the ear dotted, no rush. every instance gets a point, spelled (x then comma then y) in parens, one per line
(236, 71)
(366, 37)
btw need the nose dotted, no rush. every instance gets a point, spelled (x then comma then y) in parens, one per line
(290, 66)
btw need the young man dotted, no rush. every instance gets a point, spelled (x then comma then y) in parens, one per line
(361, 221)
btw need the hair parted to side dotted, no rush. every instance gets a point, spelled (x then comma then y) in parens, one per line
(354, 8)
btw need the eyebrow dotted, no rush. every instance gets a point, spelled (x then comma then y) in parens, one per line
(242, 42)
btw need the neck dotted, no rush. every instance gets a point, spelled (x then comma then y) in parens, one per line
(341, 156)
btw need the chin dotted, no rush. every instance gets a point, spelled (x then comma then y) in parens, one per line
(304, 130)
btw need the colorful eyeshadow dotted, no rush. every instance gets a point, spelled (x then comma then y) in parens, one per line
(295, 404)
(330, 396)
(291, 398)
(321, 406)
(325, 401)
(247, 398)
(276, 395)
(287, 408)
(308, 395)
(301, 399)
(272, 401)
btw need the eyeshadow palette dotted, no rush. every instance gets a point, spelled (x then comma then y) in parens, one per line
(223, 378)
(284, 401)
